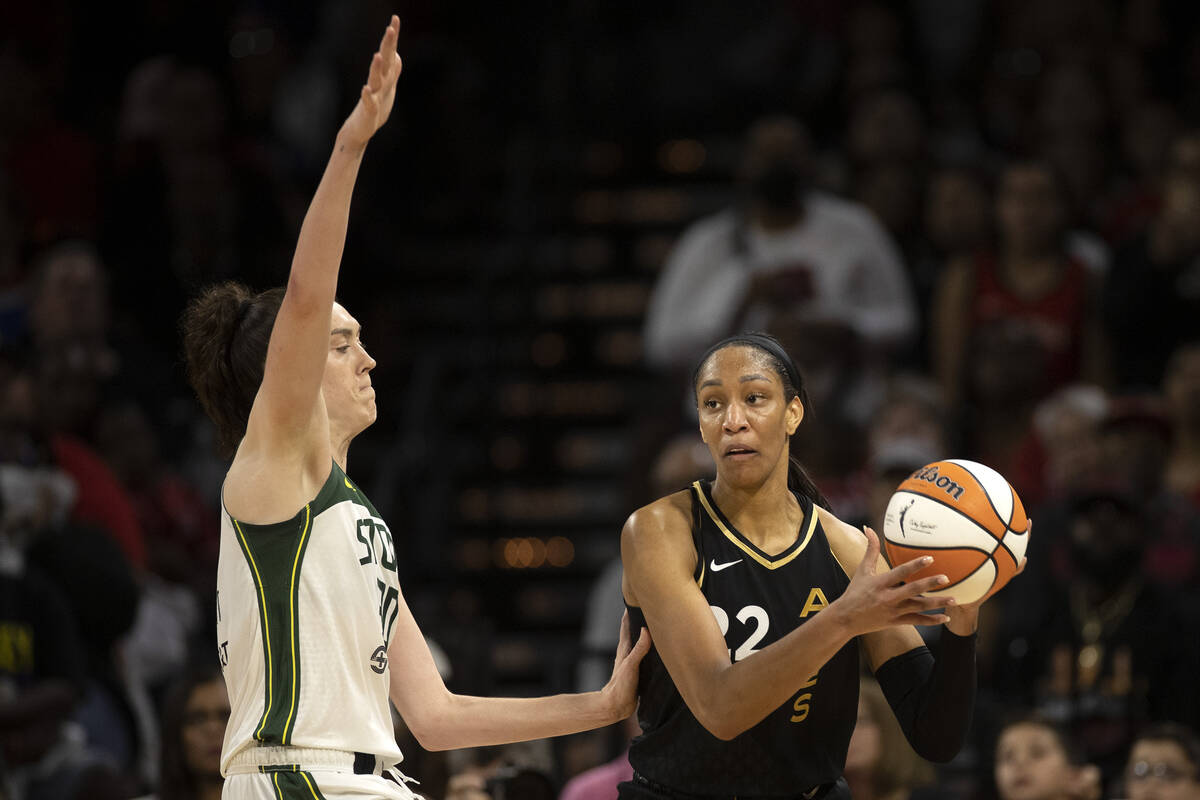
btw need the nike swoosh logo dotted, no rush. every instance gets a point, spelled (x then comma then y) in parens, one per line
(715, 567)
(349, 485)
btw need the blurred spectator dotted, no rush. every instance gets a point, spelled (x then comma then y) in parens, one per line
(1164, 764)
(1100, 649)
(1072, 118)
(1152, 295)
(179, 528)
(1181, 388)
(1037, 760)
(906, 433)
(875, 42)
(45, 753)
(1013, 325)
(521, 771)
(1146, 135)
(600, 782)
(32, 407)
(886, 126)
(188, 204)
(43, 152)
(195, 710)
(880, 763)
(1135, 440)
(1061, 452)
(956, 224)
(787, 248)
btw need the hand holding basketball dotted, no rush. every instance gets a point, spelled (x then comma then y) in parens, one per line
(875, 601)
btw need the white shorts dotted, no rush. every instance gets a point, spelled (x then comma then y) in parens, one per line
(310, 775)
(317, 785)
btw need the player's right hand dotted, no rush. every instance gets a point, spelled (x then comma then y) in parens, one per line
(875, 601)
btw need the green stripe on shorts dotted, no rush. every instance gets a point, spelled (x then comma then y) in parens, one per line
(295, 786)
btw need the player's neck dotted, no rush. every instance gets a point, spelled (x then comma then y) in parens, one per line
(767, 514)
(340, 447)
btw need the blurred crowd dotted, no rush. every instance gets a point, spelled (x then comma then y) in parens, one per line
(974, 224)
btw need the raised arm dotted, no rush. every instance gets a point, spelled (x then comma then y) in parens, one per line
(727, 697)
(442, 720)
(285, 412)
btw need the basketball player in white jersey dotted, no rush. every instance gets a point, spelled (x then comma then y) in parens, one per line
(314, 635)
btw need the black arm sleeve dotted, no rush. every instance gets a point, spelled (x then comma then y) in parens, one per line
(933, 700)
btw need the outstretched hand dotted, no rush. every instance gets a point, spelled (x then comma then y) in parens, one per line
(875, 601)
(379, 92)
(621, 688)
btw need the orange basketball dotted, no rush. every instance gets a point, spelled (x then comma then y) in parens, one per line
(967, 517)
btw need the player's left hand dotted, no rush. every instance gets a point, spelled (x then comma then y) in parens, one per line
(964, 619)
(379, 92)
(621, 690)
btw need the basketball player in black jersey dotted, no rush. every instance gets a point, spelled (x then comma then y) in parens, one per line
(757, 597)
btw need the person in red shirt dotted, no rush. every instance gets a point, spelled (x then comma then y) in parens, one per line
(1011, 326)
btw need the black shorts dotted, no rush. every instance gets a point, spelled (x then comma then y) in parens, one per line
(642, 788)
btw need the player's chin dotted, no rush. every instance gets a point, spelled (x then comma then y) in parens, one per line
(369, 415)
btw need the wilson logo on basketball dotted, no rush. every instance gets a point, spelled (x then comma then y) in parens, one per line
(930, 474)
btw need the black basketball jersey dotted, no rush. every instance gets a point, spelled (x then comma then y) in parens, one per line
(756, 599)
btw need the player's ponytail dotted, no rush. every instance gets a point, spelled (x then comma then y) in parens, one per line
(225, 335)
(793, 386)
(799, 481)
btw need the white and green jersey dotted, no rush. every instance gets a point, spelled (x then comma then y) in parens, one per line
(305, 612)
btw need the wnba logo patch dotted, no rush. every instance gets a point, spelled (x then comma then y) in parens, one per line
(379, 660)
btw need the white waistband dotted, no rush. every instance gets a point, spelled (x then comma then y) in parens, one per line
(304, 758)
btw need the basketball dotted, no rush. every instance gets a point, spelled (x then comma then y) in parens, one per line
(967, 517)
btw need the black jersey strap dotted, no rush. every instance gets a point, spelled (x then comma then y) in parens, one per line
(933, 698)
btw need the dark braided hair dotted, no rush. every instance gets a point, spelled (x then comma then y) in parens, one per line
(793, 386)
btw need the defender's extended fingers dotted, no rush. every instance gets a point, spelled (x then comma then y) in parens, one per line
(625, 634)
(642, 646)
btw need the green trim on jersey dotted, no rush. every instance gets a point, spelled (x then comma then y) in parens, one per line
(295, 785)
(274, 554)
(339, 487)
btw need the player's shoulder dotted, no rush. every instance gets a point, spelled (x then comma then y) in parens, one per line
(665, 522)
(846, 542)
(656, 542)
(669, 512)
